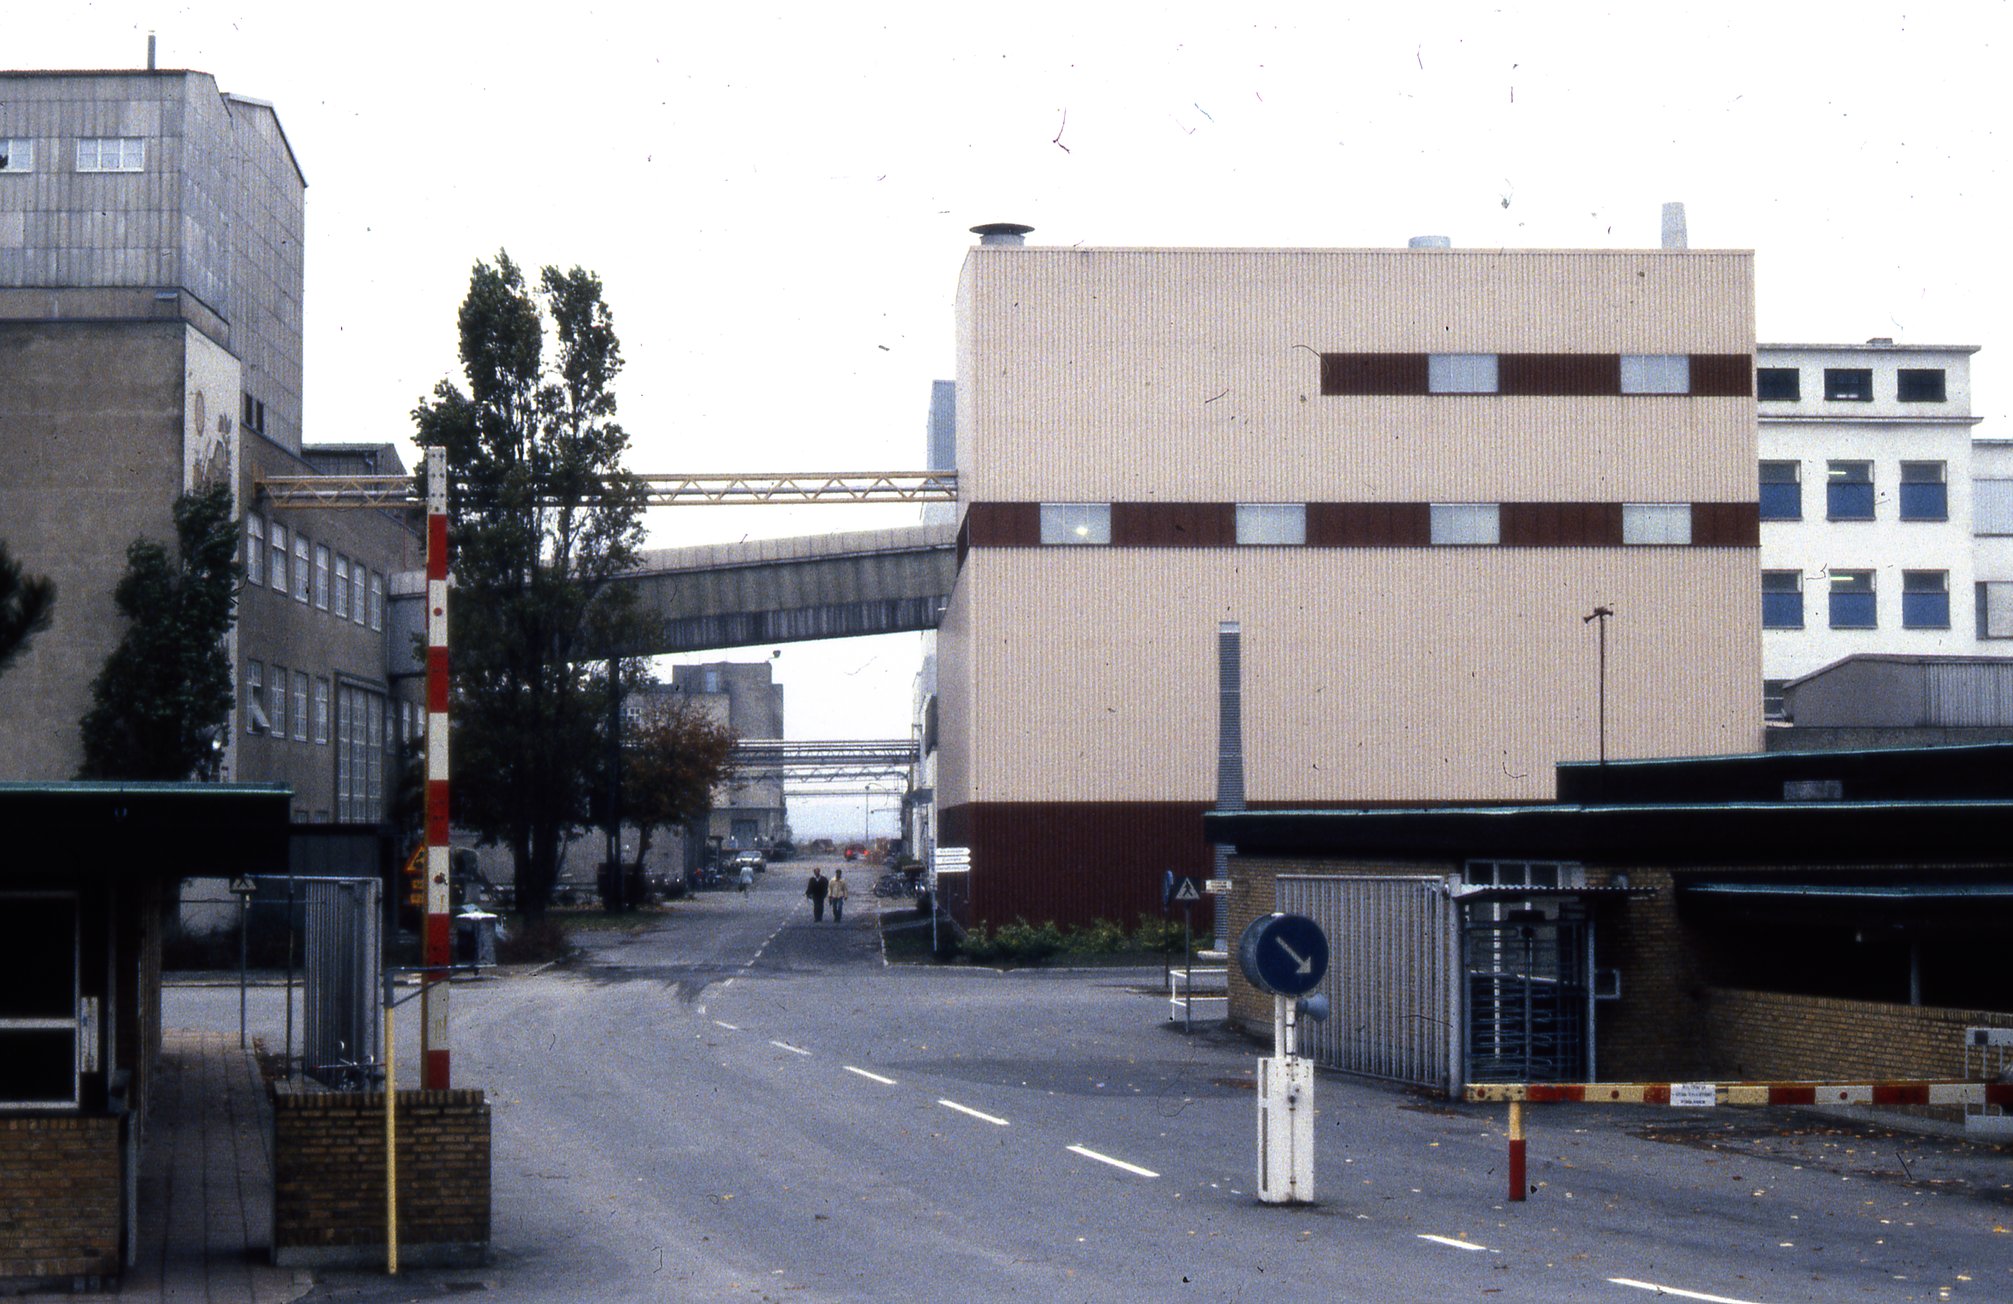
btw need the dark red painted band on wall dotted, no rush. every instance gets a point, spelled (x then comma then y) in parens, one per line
(1173, 525)
(1357, 525)
(1530, 375)
(1074, 862)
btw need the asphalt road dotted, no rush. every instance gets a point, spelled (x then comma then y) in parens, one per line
(742, 1104)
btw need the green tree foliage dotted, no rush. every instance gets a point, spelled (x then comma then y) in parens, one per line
(541, 517)
(27, 604)
(673, 760)
(164, 695)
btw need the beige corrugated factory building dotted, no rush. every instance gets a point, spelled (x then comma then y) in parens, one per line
(1408, 476)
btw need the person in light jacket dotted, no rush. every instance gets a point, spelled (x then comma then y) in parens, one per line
(837, 894)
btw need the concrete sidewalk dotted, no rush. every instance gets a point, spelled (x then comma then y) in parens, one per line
(206, 1182)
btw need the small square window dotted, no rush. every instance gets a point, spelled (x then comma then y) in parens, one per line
(111, 154)
(1848, 491)
(1647, 523)
(1925, 599)
(1461, 373)
(1772, 706)
(1848, 384)
(1778, 384)
(1781, 599)
(1923, 494)
(1283, 523)
(1919, 385)
(1075, 523)
(1852, 600)
(1656, 373)
(17, 154)
(1781, 491)
(1465, 524)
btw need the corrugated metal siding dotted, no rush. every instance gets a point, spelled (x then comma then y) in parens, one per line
(1195, 375)
(1368, 675)
(1075, 862)
(1393, 979)
(1970, 693)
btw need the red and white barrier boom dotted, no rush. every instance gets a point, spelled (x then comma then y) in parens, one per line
(1705, 1095)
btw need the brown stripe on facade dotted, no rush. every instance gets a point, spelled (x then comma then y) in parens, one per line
(1003, 525)
(1726, 525)
(1558, 375)
(1722, 375)
(1075, 861)
(1561, 525)
(1369, 525)
(1373, 373)
(1173, 525)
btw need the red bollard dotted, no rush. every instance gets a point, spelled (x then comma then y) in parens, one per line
(1516, 1150)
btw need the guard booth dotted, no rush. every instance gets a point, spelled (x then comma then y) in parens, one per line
(90, 868)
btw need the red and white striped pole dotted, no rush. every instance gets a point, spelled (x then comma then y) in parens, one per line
(439, 938)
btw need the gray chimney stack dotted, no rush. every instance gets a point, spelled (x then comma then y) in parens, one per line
(1674, 232)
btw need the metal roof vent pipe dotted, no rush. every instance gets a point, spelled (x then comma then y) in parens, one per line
(1007, 235)
(1429, 242)
(1675, 236)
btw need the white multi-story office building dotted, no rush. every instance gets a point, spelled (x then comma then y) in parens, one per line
(1867, 506)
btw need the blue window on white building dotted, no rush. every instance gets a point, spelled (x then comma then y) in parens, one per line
(1781, 599)
(1923, 495)
(1852, 600)
(1848, 491)
(1925, 599)
(1781, 491)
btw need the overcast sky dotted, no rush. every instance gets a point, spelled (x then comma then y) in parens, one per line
(778, 198)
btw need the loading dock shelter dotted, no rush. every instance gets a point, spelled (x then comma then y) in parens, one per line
(1778, 916)
(89, 871)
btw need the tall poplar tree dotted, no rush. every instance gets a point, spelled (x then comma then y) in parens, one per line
(542, 516)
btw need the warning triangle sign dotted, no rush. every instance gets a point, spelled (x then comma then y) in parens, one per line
(1185, 891)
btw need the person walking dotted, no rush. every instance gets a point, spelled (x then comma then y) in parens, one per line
(816, 890)
(747, 878)
(837, 894)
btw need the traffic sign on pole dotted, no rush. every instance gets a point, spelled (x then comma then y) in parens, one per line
(1286, 955)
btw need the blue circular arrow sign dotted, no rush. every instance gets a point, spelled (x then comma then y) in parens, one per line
(1284, 954)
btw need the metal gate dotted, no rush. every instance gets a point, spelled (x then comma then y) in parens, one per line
(341, 1028)
(1529, 1004)
(1393, 975)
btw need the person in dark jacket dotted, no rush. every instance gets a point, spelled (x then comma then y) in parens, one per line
(816, 890)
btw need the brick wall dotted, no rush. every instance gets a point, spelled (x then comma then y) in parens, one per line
(328, 1173)
(59, 1197)
(1657, 1030)
(1769, 1036)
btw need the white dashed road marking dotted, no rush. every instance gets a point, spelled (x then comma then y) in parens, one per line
(731, 1027)
(784, 1045)
(1088, 1153)
(1448, 1240)
(1678, 1293)
(871, 1077)
(967, 1109)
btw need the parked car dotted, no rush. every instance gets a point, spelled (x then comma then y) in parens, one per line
(754, 860)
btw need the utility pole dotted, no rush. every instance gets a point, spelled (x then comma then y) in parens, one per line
(1602, 614)
(615, 897)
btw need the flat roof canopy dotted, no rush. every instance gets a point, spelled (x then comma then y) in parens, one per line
(143, 830)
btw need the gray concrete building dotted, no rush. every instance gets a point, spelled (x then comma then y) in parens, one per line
(151, 290)
(748, 811)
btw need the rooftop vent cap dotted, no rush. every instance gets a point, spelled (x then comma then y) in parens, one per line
(1009, 235)
(1429, 242)
(1881, 339)
(1675, 235)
